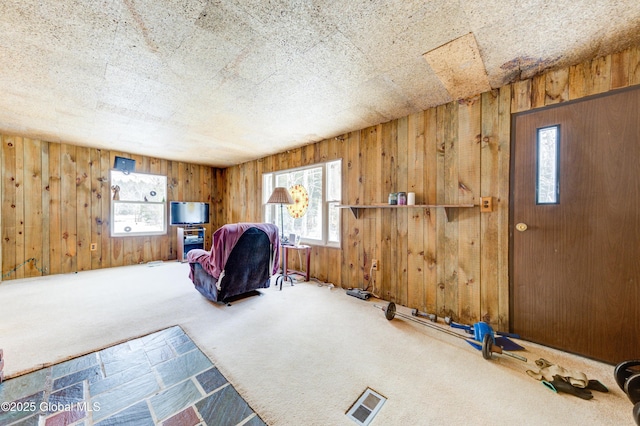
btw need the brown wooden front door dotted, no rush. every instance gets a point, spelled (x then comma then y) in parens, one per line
(575, 270)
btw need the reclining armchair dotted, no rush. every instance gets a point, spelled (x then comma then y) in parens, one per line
(242, 259)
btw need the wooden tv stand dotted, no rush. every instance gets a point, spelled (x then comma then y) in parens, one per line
(189, 239)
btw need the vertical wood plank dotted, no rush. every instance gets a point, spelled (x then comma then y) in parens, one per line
(219, 200)
(9, 260)
(577, 82)
(255, 184)
(634, 65)
(295, 157)
(210, 186)
(69, 208)
(33, 228)
(441, 117)
(230, 191)
(430, 196)
(489, 153)
(335, 149)
(416, 219)
(402, 239)
(234, 188)
(557, 86)
(521, 96)
(19, 209)
(386, 227)
(353, 229)
(502, 199)
(371, 153)
(307, 154)
(339, 254)
(469, 138)
(21, 260)
(259, 178)
(450, 243)
(620, 69)
(56, 248)
(599, 75)
(105, 207)
(83, 208)
(142, 163)
(538, 89)
(45, 200)
(95, 176)
(468, 150)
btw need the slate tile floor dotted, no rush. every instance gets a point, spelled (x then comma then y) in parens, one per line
(159, 379)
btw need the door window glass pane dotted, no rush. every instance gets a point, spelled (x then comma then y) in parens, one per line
(547, 185)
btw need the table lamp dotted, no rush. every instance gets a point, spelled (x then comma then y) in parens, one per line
(281, 196)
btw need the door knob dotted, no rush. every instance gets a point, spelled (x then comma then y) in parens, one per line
(521, 227)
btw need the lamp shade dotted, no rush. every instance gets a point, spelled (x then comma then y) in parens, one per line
(280, 195)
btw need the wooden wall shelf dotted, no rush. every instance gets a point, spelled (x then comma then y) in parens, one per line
(355, 208)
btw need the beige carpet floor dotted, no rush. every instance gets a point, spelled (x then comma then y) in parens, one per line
(300, 356)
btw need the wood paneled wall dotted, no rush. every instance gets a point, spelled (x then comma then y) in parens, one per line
(55, 198)
(55, 201)
(453, 153)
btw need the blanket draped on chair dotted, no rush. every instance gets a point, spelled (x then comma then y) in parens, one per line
(242, 258)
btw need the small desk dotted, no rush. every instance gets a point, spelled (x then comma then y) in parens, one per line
(285, 258)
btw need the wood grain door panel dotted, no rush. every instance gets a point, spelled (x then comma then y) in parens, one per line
(576, 269)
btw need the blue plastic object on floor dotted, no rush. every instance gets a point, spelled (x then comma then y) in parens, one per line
(479, 329)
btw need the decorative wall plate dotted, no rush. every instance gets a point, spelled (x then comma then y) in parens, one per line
(300, 201)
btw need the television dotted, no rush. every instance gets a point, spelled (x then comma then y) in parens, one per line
(188, 213)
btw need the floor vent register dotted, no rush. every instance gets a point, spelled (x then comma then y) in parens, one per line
(366, 407)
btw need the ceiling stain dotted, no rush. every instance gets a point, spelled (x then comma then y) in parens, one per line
(141, 26)
(525, 67)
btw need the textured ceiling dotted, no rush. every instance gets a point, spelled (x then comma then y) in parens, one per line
(221, 82)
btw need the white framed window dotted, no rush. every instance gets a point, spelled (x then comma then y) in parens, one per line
(138, 204)
(548, 168)
(316, 222)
